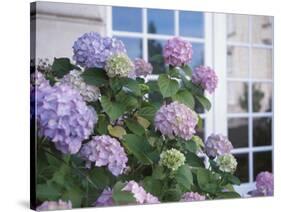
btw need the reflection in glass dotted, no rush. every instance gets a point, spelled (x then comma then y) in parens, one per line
(237, 62)
(191, 24)
(198, 55)
(242, 170)
(262, 162)
(127, 19)
(160, 21)
(261, 63)
(133, 46)
(262, 97)
(201, 132)
(238, 132)
(155, 47)
(237, 97)
(262, 131)
(198, 108)
(238, 28)
(262, 30)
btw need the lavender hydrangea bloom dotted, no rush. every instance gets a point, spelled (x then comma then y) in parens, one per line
(64, 117)
(89, 93)
(105, 151)
(217, 144)
(192, 196)
(52, 205)
(142, 68)
(105, 199)
(264, 184)
(140, 194)
(92, 50)
(206, 78)
(176, 119)
(177, 52)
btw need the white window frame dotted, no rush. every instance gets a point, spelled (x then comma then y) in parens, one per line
(215, 47)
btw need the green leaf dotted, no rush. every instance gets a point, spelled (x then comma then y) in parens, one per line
(190, 146)
(184, 97)
(153, 86)
(47, 192)
(228, 195)
(116, 131)
(187, 70)
(128, 101)
(193, 160)
(101, 177)
(147, 112)
(199, 142)
(168, 87)
(139, 147)
(204, 102)
(143, 122)
(75, 195)
(153, 186)
(158, 58)
(233, 179)
(113, 109)
(207, 181)
(122, 197)
(158, 173)
(95, 76)
(62, 66)
(200, 122)
(134, 127)
(184, 177)
(133, 86)
(102, 124)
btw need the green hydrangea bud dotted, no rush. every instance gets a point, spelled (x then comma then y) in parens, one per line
(119, 65)
(172, 159)
(227, 163)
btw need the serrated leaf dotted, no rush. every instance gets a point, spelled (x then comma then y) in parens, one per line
(228, 195)
(62, 66)
(116, 131)
(204, 102)
(168, 87)
(184, 177)
(121, 197)
(147, 112)
(135, 127)
(102, 124)
(113, 109)
(143, 122)
(185, 97)
(95, 76)
(133, 86)
(47, 192)
(153, 186)
(199, 142)
(187, 70)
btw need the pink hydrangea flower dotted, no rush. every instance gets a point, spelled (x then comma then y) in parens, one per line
(105, 199)
(177, 52)
(217, 144)
(176, 119)
(52, 205)
(205, 77)
(192, 196)
(264, 183)
(142, 68)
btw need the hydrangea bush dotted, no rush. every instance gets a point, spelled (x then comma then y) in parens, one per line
(102, 141)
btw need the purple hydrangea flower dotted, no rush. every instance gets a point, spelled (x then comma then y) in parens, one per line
(142, 68)
(140, 194)
(63, 116)
(205, 77)
(105, 199)
(217, 144)
(264, 184)
(176, 119)
(105, 151)
(52, 205)
(92, 50)
(192, 196)
(177, 52)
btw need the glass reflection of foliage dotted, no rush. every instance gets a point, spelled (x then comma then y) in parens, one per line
(243, 100)
(262, 134)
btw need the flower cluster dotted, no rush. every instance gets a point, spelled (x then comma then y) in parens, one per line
(192, 196)
(52, 205)
(227, 163)
(264, 184)
(142, 68)
(177, 52)
(88, 92)
(119, 65)
(92, 50)
(44, 65)
(105, 199)
(176, 119)
(64, 117)
(105, 151)
(141, 196)
(172, 159)
(217, 144)
(205, 77)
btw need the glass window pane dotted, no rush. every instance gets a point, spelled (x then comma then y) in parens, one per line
(238, 28)
(191, 24)
(160, 21)
(155, 47)
(262, 162)
(261, 63)
(242, 170)
(237, 97)
(127, 19)
(133, 46)
(237, 62)
(262, 97)
(238, 132)
(262, 30)
(201, 132)
(262, 131)
(198, 55)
